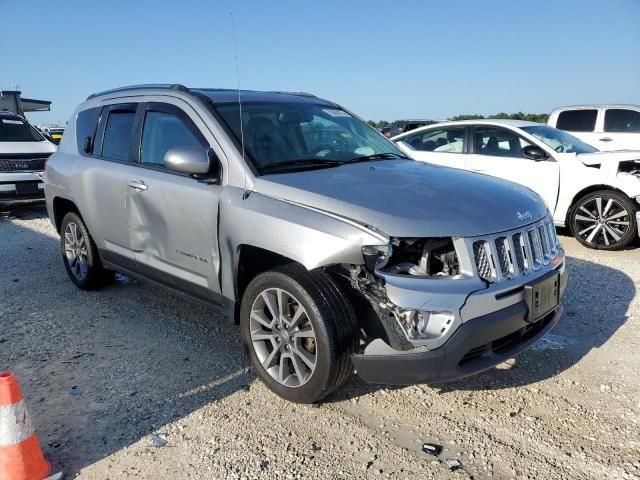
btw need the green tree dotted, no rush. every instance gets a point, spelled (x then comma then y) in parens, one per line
(530, 117)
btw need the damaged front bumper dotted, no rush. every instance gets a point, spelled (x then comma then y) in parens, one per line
(498, 328)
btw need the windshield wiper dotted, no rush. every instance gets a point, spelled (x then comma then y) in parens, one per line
(378, 156)
(302, 163)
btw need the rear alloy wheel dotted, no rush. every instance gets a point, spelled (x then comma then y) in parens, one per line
(80, 254)
(604, 220)
(299, 332)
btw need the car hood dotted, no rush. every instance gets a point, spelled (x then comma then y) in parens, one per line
(599, 158)
(44, 146)
(405, 198)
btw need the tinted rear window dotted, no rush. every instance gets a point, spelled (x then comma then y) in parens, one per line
(86, 127)
(621, 120)
(15, 130)
(117, 134)
(577, 120)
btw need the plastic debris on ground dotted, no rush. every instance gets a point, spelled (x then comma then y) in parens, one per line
(158, 441)
(75, 390)
(432, 449)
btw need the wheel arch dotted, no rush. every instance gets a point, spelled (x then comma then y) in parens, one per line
(251, 261)
(62, 206)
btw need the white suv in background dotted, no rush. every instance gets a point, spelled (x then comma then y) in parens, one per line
(23, 154)
(606, 127)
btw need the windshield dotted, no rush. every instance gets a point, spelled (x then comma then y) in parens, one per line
(558, 140)
(280, 136)
(15, 130)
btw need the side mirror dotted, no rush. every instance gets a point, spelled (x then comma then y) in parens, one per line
(192, 160)
(534, 152)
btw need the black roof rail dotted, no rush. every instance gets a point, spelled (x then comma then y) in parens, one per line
(167, 86)
(299, 94)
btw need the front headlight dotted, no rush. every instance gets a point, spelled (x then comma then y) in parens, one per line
(376, 256)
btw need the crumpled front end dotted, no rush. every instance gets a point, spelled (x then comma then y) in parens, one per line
(470, 304)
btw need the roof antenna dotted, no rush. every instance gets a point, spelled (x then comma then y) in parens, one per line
(235, 44)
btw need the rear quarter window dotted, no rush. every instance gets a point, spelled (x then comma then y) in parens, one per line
(86, 124)
(577, 120)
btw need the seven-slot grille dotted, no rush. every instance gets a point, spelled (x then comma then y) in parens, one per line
(517, 252)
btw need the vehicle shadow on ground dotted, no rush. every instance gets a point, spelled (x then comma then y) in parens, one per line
(102, 370)
(583, 327)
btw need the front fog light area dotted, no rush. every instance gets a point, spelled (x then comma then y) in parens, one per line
(426, 324)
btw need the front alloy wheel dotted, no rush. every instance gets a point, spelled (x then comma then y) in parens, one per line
(282, 337)
(604, 220)
(299, 331)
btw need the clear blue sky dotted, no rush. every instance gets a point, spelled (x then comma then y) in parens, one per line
(383, 60)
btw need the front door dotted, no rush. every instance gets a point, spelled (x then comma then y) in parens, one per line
(172, 216)
(498, 151)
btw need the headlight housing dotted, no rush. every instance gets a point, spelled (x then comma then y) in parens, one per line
(376, 256)
(421, 257)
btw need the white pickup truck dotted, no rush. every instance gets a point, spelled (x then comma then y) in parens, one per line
(606, 127)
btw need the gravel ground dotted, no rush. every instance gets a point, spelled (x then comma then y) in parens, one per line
(110, 376)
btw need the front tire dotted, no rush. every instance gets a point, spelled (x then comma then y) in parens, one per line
(80, 254)
(604, 220)
(299, 332)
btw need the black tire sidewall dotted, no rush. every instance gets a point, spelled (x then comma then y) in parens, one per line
(327, 349)
(625, 201)
(94, 267)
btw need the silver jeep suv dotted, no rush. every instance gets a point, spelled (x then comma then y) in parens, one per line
(329, 247)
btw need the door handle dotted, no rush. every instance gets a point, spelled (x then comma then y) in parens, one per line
(606, 139)
(138, 185)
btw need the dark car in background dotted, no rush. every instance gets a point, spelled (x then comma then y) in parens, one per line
(401, 126)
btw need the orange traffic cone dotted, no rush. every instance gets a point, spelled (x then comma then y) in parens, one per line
(20, 454)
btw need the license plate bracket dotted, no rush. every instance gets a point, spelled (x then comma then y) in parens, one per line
(26, 188)
(542, 296)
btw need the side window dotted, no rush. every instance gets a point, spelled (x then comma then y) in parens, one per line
(577, 120)
(447, 140)
(86, 124)
(161, 132)
(115, 145)
(497, 142)
(621, 120)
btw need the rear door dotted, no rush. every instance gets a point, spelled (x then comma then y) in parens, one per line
(581, 123)
(442, 146)
(100, 177)
(172, 216)
(621, 129)
(497, 151)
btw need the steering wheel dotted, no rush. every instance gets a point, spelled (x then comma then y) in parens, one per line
(560, 148)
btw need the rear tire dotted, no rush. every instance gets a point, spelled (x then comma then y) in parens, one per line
(80, 255)
(303, 352)
(604, 220)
